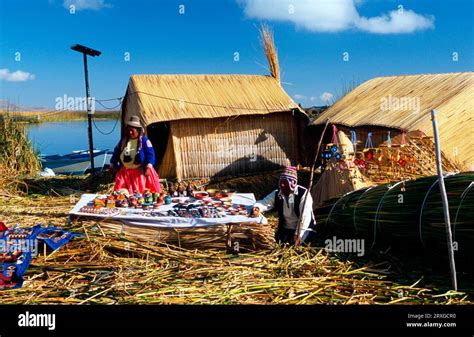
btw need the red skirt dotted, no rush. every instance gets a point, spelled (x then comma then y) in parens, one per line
(134, 180)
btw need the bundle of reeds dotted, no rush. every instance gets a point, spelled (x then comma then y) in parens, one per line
(407, 216)
(233, 237)
(268, 45)
(336, 217)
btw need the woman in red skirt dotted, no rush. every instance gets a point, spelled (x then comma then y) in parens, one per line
(133, 161)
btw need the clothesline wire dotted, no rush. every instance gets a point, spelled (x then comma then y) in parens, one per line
(106, 133)
(112, 108)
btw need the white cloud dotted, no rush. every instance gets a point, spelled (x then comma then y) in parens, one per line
(80, 5)
(396, 22)
(326, 97)
(17, 76)
(335, 16)
(298, 96)
(313, 98)
(313, 15)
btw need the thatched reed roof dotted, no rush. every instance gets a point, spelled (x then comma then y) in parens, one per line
(158, 98)
(375, 103)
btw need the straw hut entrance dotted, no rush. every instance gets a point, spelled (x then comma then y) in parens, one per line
(205, 126)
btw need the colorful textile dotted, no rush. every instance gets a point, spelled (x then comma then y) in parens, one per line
(18, 246)
(54, 237)
(134, 180)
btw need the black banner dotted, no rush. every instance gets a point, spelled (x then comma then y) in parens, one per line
(196, 320)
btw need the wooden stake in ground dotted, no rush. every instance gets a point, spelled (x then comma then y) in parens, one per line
(444, 198)
(310, 185)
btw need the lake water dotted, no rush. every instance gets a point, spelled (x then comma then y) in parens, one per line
(65, 137)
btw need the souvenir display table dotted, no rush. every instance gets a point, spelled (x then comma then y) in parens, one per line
(181, 212)
(193, 222)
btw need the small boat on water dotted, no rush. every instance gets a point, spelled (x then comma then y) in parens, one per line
(77, 162)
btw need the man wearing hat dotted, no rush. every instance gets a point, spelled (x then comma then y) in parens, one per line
(293, 211)
(133, 161)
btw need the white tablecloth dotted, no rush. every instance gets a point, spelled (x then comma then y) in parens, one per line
(136, 216)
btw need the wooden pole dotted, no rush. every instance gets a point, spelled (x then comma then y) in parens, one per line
(444, 198)
(310, 185)
(89, 116)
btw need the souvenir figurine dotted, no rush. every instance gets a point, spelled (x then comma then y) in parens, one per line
(189, 190)
(160, 200)
(172, 191)
(181, 192)
(137, 195)
(148, 198)
(110, 203)
(132, 201)
(99, 202)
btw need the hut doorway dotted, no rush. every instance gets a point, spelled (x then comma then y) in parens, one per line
(158, 134)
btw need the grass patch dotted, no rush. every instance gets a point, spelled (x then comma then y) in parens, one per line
(18, 158)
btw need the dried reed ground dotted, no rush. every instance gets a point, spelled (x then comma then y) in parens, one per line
(113, 269)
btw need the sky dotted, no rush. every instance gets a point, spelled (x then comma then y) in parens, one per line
(324, 46)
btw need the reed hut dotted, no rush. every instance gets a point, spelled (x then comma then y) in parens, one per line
(398, 103)
(215, 125)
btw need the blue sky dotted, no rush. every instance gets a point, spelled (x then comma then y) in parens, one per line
(380, 37)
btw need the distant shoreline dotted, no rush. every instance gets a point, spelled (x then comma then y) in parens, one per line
(38, 117)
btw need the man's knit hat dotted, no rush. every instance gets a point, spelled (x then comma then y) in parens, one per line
(290, 172)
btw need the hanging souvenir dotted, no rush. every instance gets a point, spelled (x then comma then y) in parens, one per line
(326, 154)
(368, 142)
(353, 139)
(389, 140)
(369, 155)
(334, 137)
(380, 155)
(402, 162)
(403, 141)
